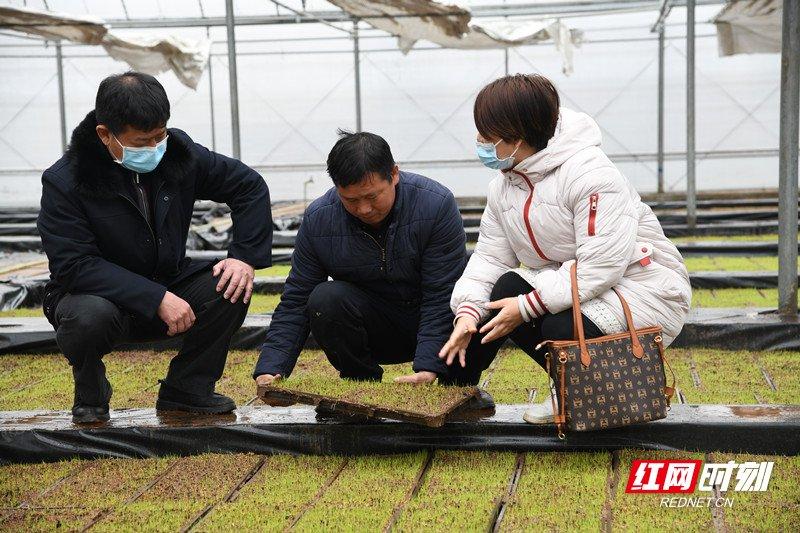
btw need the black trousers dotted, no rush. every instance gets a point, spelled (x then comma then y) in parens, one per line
(88, 327)
(360, 332)
(527, 336)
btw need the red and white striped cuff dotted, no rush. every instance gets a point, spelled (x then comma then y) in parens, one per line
(466, 309)
(535, 305)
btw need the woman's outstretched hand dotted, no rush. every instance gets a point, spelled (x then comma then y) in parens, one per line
(463, 331)
(507, 319)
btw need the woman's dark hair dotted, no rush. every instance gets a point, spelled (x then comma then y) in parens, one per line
(133, 100)
(523, 106)
(355, 155)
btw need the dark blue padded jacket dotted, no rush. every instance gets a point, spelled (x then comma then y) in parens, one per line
(424, 255)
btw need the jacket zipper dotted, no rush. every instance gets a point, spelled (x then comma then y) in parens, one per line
(382, 249)
(592, 212)
(146, 221)
(526, 219)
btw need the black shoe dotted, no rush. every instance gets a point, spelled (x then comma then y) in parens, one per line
(90, 414)
(172, 399)
(477, 407)
(481, 402)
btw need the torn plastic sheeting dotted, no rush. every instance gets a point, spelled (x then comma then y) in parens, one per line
(29, 437)
(719, 217)
(739, 329)
(757, 227)
(728, 329)
(734, 280)
(22, 292)
(187, 58)
(712, 248)
(749, 27)
(451, 26)
(28, 292)
(36, 335)
(18, 228)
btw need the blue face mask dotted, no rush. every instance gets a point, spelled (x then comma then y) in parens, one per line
(144, 159)
(487, 153)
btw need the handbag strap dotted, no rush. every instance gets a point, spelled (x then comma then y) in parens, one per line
(577, 319)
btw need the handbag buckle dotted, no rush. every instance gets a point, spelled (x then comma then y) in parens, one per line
(562, 357)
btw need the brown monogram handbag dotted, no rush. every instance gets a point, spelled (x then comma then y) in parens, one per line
(610, 381)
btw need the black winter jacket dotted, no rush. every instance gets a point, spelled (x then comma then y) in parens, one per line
(98, 240)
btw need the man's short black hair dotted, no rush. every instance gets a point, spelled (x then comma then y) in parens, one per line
(133, 100)
(355, 155)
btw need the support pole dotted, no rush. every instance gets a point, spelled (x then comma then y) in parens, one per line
(660, 149)
(232, 78)
(211, 101)
(357, 73)
(691, 185)
(62, 112)
(505, 59)
(787, 165)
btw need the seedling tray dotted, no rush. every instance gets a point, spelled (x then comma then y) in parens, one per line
(281, 395)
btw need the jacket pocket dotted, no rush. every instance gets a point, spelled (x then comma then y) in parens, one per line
(592, 213)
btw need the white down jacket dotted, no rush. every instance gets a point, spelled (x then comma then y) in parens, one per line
(567, 202)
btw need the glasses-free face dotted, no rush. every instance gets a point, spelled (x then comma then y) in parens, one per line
(371, 199)
(130, 138)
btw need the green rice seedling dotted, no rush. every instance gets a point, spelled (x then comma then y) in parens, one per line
(459, 493)
(731, 263)
(777, 508)
(642, 512)
(735, 298)
(21, 483)
(363, 495)
(515, 375)
(275, 496)
(783, 368)
(550, 480)
(427, 404)
(766, 237)
(263, 303)
(274, 270)
(178, 497)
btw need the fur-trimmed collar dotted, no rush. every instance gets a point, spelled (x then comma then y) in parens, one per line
(97, 175)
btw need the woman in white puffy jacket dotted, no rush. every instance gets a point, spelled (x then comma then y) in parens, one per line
(557, 199)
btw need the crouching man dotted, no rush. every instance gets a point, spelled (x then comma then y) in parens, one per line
(394, 245)
(115, 213)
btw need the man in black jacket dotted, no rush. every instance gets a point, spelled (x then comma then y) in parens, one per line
(115, 213)
(394, 245)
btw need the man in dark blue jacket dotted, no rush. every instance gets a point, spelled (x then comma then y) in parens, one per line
(394, 245)
(115, 213)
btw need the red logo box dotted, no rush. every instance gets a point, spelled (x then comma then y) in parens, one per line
(663, 476)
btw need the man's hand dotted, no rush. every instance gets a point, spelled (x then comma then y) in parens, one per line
(267, 379)
(176, 314)
(417, 378)
(238, 276)
(463, 331)
(506, 321)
